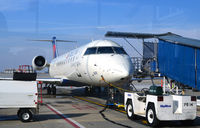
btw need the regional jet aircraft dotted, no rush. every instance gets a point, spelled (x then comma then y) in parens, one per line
(87, 64)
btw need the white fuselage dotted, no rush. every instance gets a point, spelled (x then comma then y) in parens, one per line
(76, 65)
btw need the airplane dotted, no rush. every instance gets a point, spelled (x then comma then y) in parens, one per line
(87, 65)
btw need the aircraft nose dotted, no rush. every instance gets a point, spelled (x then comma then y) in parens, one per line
(124, 74)
(119, 73)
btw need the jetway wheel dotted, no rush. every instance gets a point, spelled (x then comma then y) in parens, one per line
(25, 115)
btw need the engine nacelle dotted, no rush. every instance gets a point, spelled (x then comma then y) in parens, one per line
(39, 62)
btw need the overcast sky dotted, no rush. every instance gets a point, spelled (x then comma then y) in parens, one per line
(86, 20)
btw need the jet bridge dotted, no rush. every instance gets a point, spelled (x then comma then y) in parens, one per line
(178, 58)
(146, 65)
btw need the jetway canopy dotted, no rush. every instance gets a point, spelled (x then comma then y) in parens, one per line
(170, 37)
(135, 35)
(181, 40)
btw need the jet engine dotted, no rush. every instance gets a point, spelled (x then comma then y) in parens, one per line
(39, 62)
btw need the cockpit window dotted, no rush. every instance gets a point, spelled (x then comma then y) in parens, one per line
(103, 50)
(119, 50)
(91, 51)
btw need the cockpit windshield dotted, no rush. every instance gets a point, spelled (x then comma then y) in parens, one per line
(119, 50)
(105, 50)
(91, 51)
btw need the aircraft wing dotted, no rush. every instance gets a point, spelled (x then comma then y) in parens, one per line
(6, 78)
(45, 80)
(50, 80)
(56, 81)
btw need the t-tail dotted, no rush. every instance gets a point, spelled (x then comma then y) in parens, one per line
(54, 41)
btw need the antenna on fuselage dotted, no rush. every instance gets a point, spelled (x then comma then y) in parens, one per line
(54, 41)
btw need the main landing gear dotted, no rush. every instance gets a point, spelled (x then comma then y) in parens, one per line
(91, 90)
(51, 89)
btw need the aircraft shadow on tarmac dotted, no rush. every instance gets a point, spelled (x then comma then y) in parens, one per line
(40, 117)
(64, 102)
(44, 117)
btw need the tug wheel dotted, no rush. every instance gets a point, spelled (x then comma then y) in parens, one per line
(151, 116)
(130, 111)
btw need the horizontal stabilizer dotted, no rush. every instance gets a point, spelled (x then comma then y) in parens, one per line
(53, 40)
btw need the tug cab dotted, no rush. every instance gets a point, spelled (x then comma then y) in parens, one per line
(156, 106)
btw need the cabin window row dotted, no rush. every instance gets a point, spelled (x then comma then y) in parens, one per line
(105, 50)
(71, 59)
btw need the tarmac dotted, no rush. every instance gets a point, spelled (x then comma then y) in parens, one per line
(71, 108)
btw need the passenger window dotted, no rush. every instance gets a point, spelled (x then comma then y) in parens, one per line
(90, 51)
(119, 50)
(103, 50)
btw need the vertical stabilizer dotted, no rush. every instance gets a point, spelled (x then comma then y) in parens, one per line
(55, 53)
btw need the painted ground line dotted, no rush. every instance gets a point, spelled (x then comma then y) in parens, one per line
(67, 119)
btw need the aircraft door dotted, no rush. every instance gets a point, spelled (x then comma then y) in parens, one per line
(91, 68)
(94, 70)
(82, 69)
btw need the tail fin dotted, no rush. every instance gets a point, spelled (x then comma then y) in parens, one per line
(55, 52)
